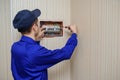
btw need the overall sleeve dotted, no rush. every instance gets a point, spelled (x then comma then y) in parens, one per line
(43, 56)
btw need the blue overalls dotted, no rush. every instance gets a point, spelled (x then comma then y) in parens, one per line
(30, 60)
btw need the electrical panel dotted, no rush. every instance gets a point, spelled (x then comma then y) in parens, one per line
(52, 28)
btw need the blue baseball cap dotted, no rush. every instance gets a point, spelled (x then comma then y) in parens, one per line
(25, 18)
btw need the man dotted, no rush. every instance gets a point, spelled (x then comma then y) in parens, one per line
(30, 60)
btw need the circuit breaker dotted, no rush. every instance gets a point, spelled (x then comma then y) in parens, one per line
(52, 28)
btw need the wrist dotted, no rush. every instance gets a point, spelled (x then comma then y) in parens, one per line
(74, 34)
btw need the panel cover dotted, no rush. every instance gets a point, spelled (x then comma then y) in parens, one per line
(52, 28)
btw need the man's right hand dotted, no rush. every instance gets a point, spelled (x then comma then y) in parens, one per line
(72, 28)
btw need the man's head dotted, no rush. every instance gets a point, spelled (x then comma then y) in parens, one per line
(25, 19)
(27, 23)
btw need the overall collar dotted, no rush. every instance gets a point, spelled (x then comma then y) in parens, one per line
(28, 39)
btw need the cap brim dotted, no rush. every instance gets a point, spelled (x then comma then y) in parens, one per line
(36, 12)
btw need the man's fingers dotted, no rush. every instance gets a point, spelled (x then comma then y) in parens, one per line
(42, 28)
(42, 32)
(68, 27)
(65, 26)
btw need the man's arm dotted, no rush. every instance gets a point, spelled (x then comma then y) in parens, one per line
(44, 56)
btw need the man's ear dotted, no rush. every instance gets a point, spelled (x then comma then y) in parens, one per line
(34, 27)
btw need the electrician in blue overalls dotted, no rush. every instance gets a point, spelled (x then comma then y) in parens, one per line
(30, 60)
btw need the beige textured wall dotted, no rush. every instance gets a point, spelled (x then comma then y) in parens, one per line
(5, 40)
(98, 54)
